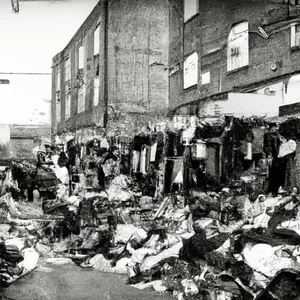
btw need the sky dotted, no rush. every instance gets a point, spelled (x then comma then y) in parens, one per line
(28, 41)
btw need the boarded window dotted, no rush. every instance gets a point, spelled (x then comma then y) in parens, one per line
(295, 35)
(238, 47)
(191, 8)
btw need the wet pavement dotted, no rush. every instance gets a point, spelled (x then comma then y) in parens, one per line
(69, 282)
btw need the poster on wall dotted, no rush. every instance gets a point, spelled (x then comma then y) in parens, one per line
(190, 76)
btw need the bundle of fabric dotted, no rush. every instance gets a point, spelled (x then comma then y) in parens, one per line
(8, 208)
(9, 185)
(24, 173)
(87, 211)
(45, 178)
(9, 258)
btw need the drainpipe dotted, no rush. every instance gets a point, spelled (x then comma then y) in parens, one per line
(105, 121)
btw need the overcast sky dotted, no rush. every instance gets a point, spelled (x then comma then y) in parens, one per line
(28, 42)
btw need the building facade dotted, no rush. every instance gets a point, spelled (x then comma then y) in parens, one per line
(247, 52)
(112, 77)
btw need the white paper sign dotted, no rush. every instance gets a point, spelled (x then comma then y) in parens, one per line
(190, 77)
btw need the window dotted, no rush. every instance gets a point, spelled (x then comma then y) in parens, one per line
(97, 40)
(191, 8)
(295, 35)
(57, 96)
(96, 50)
(80, 80)
(190, 76)
(96, 65)
(238, 47)
(80, 57)
(67, 87)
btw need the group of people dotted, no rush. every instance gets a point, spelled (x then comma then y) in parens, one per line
(98, 166)
(101, 165)
(54, 161)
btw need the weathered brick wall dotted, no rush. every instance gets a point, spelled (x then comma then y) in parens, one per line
(207, 33)
(137, 59)
(92, 115)
(137, 62)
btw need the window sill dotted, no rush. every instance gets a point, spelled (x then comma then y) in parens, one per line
(211, 52)
(237, 70)
(192, 87)
(295, 48)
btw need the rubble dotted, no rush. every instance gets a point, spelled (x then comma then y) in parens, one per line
(211, 241)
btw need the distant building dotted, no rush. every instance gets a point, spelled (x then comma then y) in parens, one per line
(243, 53)
(112, 76)
(17, 142)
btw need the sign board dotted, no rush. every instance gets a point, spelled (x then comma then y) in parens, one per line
(4, 81)
(190, 71)
(242, 105)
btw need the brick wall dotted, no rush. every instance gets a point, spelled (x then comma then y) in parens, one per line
(207, 34)
(133, 58)
(137, 59)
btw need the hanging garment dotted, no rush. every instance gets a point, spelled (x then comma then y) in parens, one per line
(249, 151)
(62, 174)
(177, 173)
(292, 175)
(144, 162)
(153, 152)
(287, 148)
(136, 160)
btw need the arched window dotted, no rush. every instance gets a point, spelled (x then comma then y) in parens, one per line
(238, 46)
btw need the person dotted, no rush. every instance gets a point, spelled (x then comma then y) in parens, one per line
(110, 163)
(45, 178)
(48, 154)
(62, 174)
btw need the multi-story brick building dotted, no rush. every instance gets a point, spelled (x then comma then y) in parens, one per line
(113, 74)
(244, 51)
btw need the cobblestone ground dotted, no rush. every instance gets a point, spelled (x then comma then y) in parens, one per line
(74, 283)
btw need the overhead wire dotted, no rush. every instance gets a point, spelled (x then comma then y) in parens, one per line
(24, 73)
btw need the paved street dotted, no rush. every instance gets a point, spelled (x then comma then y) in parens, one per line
(74, 283)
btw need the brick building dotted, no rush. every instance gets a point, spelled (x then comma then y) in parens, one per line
(244, 51)
(112, 76)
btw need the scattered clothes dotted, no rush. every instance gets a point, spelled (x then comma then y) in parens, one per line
(209, 241)
(30, 260)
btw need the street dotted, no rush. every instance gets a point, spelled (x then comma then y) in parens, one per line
(74, 283)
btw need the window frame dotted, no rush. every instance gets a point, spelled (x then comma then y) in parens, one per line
(293, 36)
(195, 84)
(236, 38)
(189, 17)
